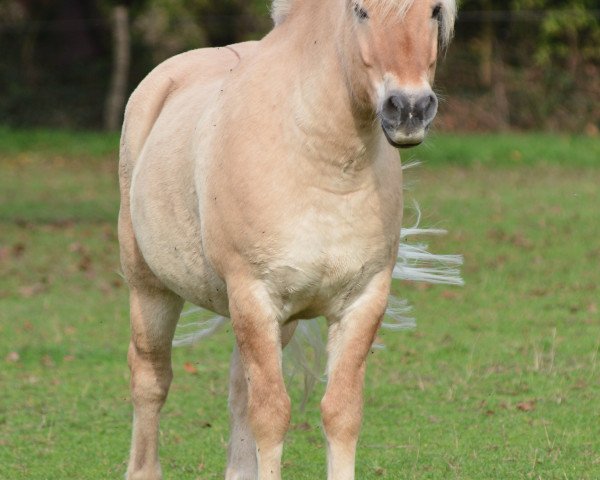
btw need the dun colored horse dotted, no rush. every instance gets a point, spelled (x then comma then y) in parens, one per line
(261, 181)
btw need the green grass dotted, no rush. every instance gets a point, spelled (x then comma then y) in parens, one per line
(510, 149)
(56, 143)
(500, 380)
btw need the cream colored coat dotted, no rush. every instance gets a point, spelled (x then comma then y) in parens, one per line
(257, 183)
(240, 177)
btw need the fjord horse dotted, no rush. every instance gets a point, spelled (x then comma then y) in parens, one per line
(261, 181)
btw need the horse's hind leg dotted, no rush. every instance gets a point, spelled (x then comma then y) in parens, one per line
(241, 453)
(154, 315)
(154, 312)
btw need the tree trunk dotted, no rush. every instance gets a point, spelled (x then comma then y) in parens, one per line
(115, 101)
(499, 90)
(486, 48)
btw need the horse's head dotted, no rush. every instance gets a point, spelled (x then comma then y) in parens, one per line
(398, 43)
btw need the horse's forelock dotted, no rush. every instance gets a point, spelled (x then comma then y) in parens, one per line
(397, 8)
(280, 9)
(401, 7)
(448, 19)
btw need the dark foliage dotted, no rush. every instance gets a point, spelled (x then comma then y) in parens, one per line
(524, 64)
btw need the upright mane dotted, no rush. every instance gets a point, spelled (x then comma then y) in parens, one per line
(280, 9)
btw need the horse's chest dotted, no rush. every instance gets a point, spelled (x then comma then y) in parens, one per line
(325, 261)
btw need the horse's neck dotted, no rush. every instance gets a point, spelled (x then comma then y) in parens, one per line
(328, 123)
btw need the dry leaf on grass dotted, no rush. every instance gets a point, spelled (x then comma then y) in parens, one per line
(450, 295)
(13, 357)
(29, 291)
(190, 368)
(18, 249)
(304, 426)
(47, 361)
(527, 406)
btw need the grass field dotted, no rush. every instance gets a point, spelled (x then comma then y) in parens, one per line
(501, 379)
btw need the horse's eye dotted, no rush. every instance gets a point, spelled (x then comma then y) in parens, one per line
(437, 12)
(360, 12)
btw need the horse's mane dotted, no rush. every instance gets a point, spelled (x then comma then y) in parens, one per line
(280, 9)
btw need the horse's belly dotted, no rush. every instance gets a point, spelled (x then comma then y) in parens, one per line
(167, 229)
(183, 270)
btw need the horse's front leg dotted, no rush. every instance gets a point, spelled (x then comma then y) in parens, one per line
(350, 339)
(268, 409)
(241, 453)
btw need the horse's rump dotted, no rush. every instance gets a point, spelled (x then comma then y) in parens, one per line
(185, 75)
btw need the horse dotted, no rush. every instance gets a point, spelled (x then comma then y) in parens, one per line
(261, 181)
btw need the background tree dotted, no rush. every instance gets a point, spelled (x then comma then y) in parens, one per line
(516, 64)
(115, 100)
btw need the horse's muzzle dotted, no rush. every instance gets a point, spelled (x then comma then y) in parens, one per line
(399, 139)
(406, 117)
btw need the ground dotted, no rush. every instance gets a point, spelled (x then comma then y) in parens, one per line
(501, 378)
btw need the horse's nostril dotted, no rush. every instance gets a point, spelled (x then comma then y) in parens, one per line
(396, 107)
(397, 101)
(426, 107)
(409, 109)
